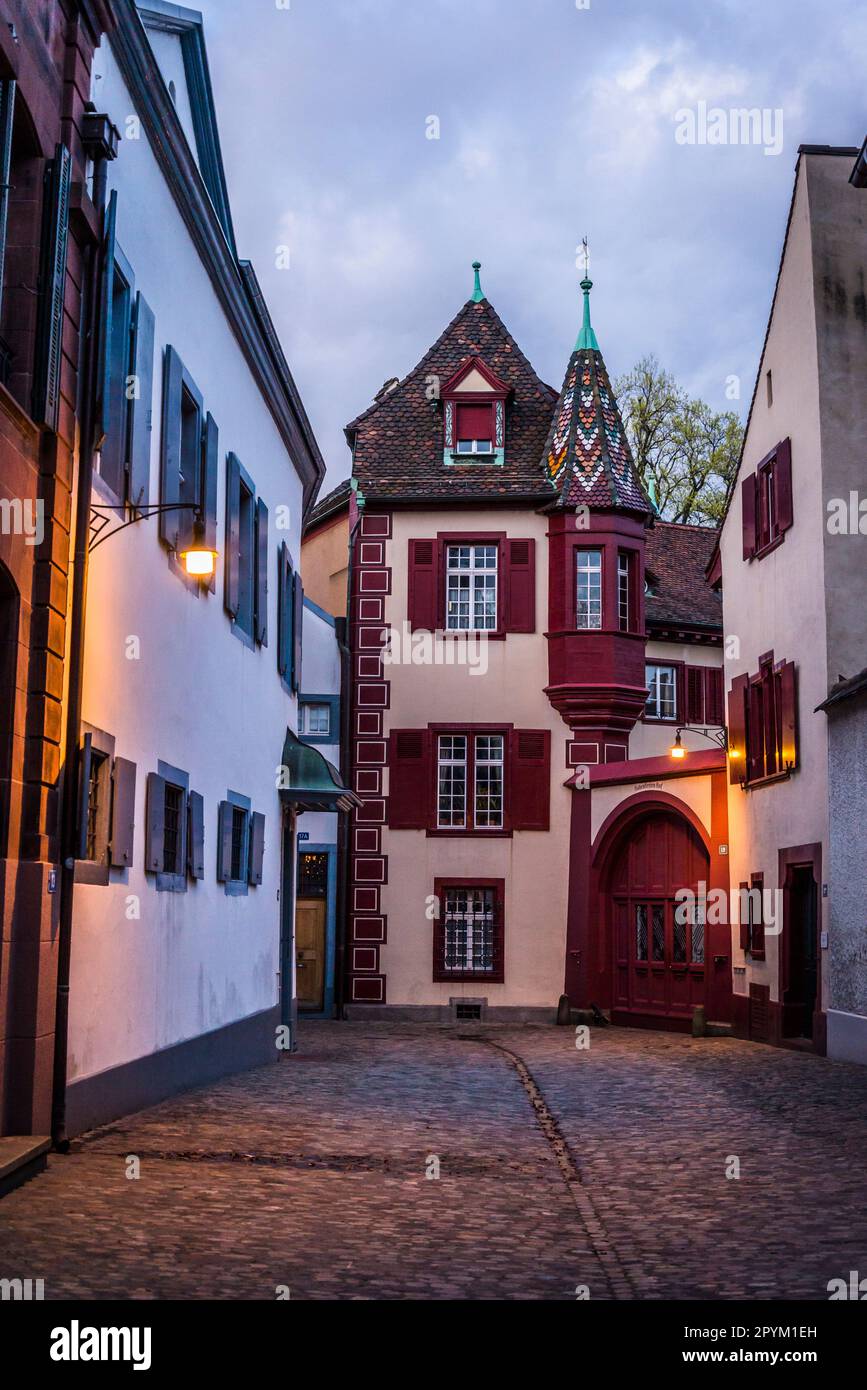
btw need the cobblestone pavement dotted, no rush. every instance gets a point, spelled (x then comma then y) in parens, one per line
(559, 1168)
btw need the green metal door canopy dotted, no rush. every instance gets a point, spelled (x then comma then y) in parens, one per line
(309, 782)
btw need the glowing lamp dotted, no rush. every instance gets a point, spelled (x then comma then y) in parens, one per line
(199, 561)
(677, 749)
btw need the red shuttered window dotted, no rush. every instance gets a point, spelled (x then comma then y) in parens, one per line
(766, 502)
(762, 733)
(469, 780)
(704, 693)
(466, 583)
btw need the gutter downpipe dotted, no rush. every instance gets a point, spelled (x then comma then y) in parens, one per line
(344, 639)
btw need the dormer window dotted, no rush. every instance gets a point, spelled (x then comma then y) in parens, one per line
(474, 415)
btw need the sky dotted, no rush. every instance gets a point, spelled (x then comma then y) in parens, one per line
(554, 120)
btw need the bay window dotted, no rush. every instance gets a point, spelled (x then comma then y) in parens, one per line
(589, 589)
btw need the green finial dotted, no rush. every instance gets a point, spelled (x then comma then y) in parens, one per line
(586, 338)
(477, 287)
(650, 488)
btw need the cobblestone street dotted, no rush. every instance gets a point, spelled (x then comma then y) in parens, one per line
(559, 1168)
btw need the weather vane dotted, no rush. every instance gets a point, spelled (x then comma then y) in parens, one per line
(585, 254)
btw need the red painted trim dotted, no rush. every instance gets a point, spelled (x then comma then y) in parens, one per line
(654, 769)
(498, 387)
(495, 976)
(632, 809)
(800, 856)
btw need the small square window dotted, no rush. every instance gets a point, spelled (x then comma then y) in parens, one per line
(661, 692)
(316, 719)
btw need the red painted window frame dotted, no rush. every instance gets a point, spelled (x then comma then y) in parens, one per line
(470, 731)
(767, 510)
(444, 540)
(498, 974)
(680, 693)
(766, 737)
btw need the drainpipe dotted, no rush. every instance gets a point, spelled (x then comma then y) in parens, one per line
(344, 857)
(69, 791)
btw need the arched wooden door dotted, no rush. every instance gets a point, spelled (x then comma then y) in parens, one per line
(659, 961)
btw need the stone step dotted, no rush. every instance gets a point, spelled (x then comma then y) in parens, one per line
(22, 1156)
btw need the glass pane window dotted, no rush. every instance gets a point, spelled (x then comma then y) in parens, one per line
(658, 932)
(640, 932)
(661, 692)
(172, 829)
(489, 782)
(469, 920)
(624, 592)
(589, 605)
(698, 924)
(452, 799)
(471, 588)
(315, 719)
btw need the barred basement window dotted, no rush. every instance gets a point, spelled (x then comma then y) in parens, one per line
(173, 805)
(471, 588)
(469, 930)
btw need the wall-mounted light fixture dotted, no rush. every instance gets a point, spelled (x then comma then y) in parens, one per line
(199, 559)
(717, 736)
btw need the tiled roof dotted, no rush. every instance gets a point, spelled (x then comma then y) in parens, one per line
(398, 440)
(845, 689)
(677, 556)
(328, 505)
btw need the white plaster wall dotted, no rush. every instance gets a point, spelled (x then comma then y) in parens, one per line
(196, 698)
(694, 792)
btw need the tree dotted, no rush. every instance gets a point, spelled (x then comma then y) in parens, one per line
(686, 452)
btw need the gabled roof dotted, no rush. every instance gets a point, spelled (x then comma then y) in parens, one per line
(398, 441)
(677, 556)
(587, 455)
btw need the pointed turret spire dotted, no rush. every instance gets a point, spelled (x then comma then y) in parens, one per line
(587, 455)
(477, 295)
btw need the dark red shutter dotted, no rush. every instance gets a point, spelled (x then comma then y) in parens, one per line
(475, 422)
(713, 695)
(744, 917)
(528, 795)
(737, 730)
(748, 515)
(694, 695)
(783, 485)
(410, 780)
(519, 586)
(788, 715)
(423, 596)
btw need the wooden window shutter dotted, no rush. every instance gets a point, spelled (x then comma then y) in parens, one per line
(528, 794)
(155, 822)
(210, 474)
(424, 604)
(694, 695)
(297, 597)
(232, 580)
(783, 485)
(744, 921)
(713, 695)
(756, 712)
(285, 613)
(749, 498)
(122, 813)
(170, 458)
(224, 841)
(410, 780)
(85, 755)
(474, 422)
(257, 847)
(788, 716)
(141, 404)
(7, 116)
(518, 584)
(52, 289)
(261, 596)
(106, 298)
(737, 729)
(196, 835)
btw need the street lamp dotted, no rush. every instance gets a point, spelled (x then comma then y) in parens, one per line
(198, 559)
(717, 736)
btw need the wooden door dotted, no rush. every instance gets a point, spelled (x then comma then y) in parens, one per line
(310, 952)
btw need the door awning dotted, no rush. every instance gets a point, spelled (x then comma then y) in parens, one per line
(309, 782)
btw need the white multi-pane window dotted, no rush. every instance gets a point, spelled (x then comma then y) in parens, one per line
(661, 692)
(452, 781)
(589, 606)
(469, 930)
(624, 592)
(489, 782)
(315, 719)
(471, 588)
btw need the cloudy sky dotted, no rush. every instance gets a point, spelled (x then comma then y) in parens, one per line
(554, 121)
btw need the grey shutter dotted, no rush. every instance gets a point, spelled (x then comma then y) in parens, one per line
(224, 841)
(284, 612)
(210, 470)
(106, 296)
(155, 823)
(84, 762)
(257, 847)
(298, 630)
(141, 406)
(7, 114)
(170, 462)
(231, 583)
(122, 813)
(196, 835)
(52, 289)
(261, 573)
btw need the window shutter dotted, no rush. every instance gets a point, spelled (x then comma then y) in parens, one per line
(713, 695)
(783, 485)
(423, 587)
(410, 780)
(106, 296)
(285, 612)
(210, 472)
(170, 461)
(737, 730)
(85, 755)
(257, 847)
(196, 835)
(232, 580)
(155, 822)
(141, 405)
(261, 573)
(743, 915)
(519, 586)
(52, 288)
(297, 630)
(122, 813)
(756, 729)
(7, 115)
(748, 515)
(224, 841)
(694, 695)
(788, 716)
(475, 422)
(528, 793)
